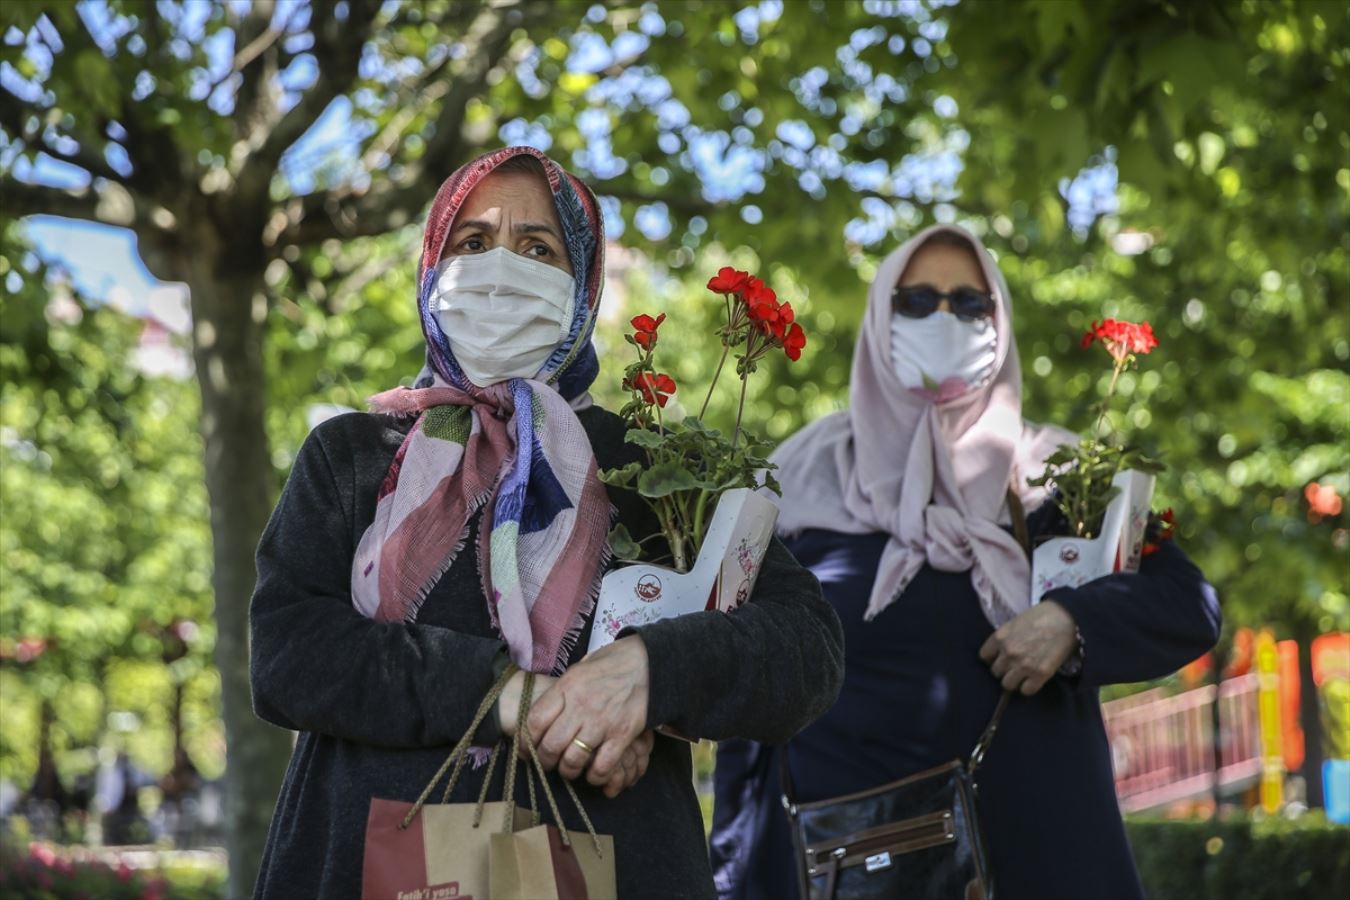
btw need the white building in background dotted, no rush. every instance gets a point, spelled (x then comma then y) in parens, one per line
(164, 350)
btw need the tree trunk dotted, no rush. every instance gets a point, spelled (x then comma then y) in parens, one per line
(229, 314)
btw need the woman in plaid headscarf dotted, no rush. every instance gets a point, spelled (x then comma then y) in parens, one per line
(418, 550)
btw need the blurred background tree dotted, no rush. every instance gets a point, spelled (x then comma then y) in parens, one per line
(104, 538)
(1185, 163)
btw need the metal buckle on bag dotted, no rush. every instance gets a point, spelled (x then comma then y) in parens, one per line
(878, 862)
(789, 806)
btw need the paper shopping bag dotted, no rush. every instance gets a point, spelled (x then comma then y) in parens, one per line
(440, 855)
(535, 864)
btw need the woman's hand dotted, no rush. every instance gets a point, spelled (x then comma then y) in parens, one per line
(601, 703)
(1025, 652)
(508, 704)
(630, 769)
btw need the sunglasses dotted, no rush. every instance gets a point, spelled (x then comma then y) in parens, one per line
(919, 300)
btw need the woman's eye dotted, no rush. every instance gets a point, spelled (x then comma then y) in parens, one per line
(472, 245)
(540, 250)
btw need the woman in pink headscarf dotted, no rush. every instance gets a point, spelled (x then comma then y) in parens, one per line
(908, 507)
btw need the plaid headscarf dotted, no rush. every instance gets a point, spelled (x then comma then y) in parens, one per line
(514, 450)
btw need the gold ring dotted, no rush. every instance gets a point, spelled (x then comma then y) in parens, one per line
(587, 748)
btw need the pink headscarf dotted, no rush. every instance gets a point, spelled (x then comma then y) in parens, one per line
(933, 474)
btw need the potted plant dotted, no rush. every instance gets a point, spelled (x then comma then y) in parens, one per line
(1102, 485)
(703, 486)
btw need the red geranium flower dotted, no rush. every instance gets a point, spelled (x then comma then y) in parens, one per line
(645, 333)
(1121, 339)
(654, 388)
(763, 308)
(728, 281)
(794, 341)
(1166, 525)
(756, 293)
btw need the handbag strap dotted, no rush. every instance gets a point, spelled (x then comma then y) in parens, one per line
(553, 803)
(1018, 514)
(459, 754)
(987, 737)
(973, 763)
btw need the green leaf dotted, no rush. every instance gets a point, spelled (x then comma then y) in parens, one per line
(620, 477)
(664, 479)
(643, 437)
(622, 545)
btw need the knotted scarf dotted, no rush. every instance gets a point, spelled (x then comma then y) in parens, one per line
(932, 472)
(515, 451)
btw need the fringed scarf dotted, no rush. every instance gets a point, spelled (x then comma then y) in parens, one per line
(515, 451)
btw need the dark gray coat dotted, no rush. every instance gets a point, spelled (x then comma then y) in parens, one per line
(378, 705)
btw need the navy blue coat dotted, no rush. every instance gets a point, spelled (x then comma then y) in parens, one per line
(916, 695)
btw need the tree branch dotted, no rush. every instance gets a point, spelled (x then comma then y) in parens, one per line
(688, 204)
(254, 97)
(260, 38)
(156, 162)
(343, 213)
(14, 115)
(488, 38)
(105, 202)
(22, 198)
(337, 48)
(409, 103)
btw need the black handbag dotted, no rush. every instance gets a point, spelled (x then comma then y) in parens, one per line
(918, 837)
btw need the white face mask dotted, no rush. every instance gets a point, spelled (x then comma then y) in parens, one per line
(503, 314)
(934, 350)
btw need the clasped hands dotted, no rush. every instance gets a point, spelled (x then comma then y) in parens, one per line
(592, 719)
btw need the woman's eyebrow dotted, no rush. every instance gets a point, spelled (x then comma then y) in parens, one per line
(478, 224)
(534, 228)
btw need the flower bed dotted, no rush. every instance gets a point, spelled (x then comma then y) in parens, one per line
(41, 871)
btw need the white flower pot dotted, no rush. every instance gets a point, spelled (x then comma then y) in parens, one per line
(1070, 561)
(722, 577)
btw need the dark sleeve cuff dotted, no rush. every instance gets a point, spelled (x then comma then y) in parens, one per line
(490, 731)
(1072, 669)
(668, 660)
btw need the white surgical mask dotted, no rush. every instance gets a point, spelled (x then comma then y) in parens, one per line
(934, 350)
(503, 314)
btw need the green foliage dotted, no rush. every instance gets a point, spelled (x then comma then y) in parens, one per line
(103, 535)
(1081, 475)
(689, 465)
(1225, 126)
(1271, 859)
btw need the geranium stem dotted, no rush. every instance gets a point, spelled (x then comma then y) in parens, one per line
(665, 514)
(699, 509)
(726, 348)
(1110, 392)
(740, 409)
